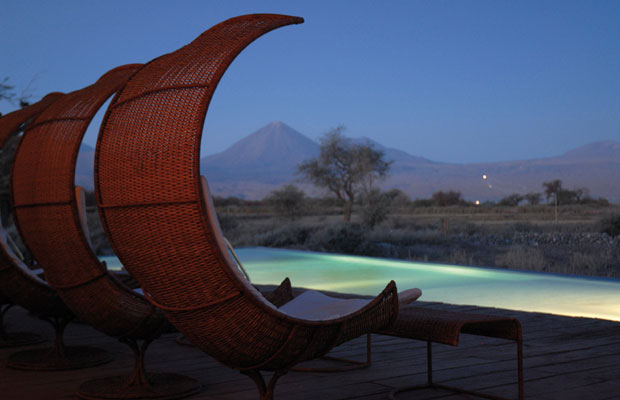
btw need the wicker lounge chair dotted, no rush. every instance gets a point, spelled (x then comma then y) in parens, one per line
(26, 289)
(9, 124)
(152, 207)
(50, 214)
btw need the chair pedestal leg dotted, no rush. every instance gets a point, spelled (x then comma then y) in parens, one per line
(265, 391)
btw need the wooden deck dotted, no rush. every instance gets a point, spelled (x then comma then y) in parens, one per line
(564, 358)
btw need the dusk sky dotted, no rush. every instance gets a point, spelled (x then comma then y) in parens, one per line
(455, 81)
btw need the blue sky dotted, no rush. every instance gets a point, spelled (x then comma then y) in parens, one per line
(456, 81)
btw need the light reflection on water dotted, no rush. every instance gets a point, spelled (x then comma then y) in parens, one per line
(525, 291)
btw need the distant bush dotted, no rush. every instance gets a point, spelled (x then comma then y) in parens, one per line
(512, 200)
(227, 222)
(450, 198)
(600, 202)
(375, 208)
(522, 257)
(289, 201)
(232, 201)
(423, 203)
(348, 238)
(582, 263)
(533, 199)
(287, 236)
(611, 225)
(399, 199)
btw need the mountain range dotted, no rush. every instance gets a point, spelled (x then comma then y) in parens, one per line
(267, 159)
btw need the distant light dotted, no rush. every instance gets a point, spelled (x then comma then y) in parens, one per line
(490, 186)
(484, 176)
(477, 202)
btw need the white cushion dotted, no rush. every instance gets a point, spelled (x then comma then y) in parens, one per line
(315, 306)
(409, 296)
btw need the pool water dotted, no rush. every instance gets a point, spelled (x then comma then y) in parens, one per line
(488, 287)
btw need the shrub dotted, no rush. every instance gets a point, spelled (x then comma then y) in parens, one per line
(227, 222)
(348, 238)
(533, 199)
(521, 257)
(460, 257)
(375, 209)
(512, 200)
(450, 198)
(611, 225)
(398, 198)
(583, 263)
(288, 201)
(291, 235)
(423, 203)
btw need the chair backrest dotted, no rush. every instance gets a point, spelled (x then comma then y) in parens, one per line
(17, 282)
(50, 218)
(149, 194)
(11, 122)
(217, 231)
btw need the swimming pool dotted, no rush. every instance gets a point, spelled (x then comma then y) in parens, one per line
(488, 287)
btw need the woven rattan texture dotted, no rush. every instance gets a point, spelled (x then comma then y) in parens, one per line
(148, 188)
(19, 286)
(11, 122)
(48, 217)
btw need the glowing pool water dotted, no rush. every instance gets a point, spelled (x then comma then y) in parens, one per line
(525, 291)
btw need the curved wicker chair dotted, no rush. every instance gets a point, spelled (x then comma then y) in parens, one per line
(150, 200)
(26, 289)
(48, 212)
(9, 124)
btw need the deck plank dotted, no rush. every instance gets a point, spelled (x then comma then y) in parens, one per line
(564, 358)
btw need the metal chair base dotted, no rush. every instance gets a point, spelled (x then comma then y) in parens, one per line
(349, 365)
(161, 386)
(432, 385)
(48, 359)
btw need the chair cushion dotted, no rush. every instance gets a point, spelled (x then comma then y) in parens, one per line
(316, 306)
(408, 296)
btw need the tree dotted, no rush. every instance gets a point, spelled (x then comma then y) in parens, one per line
(344, 168)
(289, 200)
(9, 95)
(533, 199)
(553, 188)
(450, 198)
(398, 198)
(375, 207)
(6, 92)
(511, 200)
